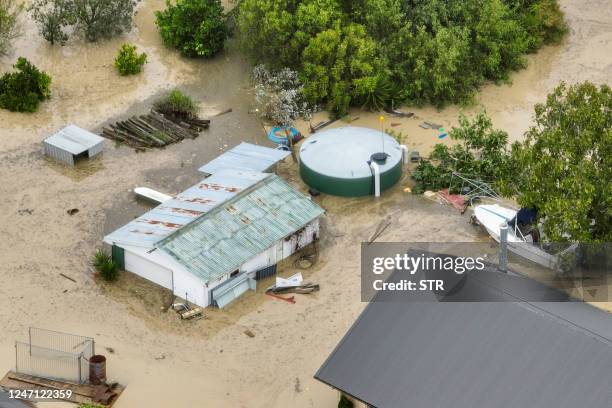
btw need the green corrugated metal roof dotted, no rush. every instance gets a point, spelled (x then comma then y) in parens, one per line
(234, 232)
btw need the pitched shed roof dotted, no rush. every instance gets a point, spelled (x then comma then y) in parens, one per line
(475, 355)
(248, 224)
(74, 140)
(170, 216)
(245, 156)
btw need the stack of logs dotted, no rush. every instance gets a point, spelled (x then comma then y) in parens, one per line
(154, 130)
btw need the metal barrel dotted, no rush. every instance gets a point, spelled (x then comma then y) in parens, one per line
(97, 370)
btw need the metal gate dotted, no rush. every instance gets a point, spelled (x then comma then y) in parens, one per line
(55, 355)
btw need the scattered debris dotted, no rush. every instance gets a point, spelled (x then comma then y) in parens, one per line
(395, 124)
(290, 299)
(160, 357)
(68, 277)
(321, 125)
(187, 312)
(382, 226)
(407, 190)
(314, 192)
(249, 333)
(456, 200)
(230, 110)
(298, 386)
(72, 211)
(353, 119)
(429, 125)
(110, 350)
(25, 211)
(399, 113)
(154, 130)
(415, 157)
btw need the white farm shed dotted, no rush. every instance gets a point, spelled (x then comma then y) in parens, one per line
(210, 243)
(73, 143)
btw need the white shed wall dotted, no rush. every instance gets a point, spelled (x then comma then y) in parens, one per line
(147, 269)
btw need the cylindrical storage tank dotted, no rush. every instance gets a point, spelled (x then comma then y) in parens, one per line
(337, 161)
(97, 370)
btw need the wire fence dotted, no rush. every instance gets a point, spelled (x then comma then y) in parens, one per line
(55, 355)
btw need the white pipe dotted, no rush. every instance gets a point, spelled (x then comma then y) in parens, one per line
(376, 171)
(404, 153)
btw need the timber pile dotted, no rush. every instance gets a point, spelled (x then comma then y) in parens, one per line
(154, 130)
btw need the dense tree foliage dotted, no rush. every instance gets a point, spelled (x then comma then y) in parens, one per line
(196, 27)
(564, 166)
(375, 52)
(9, 29)
(24, 89)
(93, 19)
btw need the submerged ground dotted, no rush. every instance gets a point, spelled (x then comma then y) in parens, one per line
(211, 362)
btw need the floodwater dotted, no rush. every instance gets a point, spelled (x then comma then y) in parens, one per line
(162, 359)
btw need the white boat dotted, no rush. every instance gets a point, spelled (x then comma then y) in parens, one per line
(493, 216)
(151, 194)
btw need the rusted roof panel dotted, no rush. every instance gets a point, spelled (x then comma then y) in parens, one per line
(186, 207)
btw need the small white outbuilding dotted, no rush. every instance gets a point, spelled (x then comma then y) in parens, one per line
(72, 144)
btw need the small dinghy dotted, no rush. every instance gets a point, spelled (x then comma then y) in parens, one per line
(151, 195)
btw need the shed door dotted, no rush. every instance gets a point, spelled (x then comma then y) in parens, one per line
(230, 290)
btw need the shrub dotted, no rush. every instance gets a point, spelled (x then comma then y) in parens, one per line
(104, 264)
(176, 103)
(195, 27)
(101, 19)
(129, 62)
(23, 90)
(9, 29)
(345, 402)
(52, 18)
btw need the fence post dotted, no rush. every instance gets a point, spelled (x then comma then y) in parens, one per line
(30, 339)
(503, 247)
(80, 369)
(16, 359)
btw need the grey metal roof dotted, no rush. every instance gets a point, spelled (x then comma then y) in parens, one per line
(344, 152)
(186, 207)
(73, 139)
(475, 355)
(245, 226)
(245, 156)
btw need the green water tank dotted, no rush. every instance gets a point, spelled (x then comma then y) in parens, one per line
(337, 161)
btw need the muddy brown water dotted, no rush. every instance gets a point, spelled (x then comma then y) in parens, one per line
(161, 358)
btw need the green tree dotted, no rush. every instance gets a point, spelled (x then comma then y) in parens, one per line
(52, 18)
(24, 89)
(195, 27)
(564, 166)
(266, 28)
(128, 61)
(480, 154)
(103, 19)
(337, 61)
(9, 28)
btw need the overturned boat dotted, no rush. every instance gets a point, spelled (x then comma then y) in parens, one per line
(523, 235)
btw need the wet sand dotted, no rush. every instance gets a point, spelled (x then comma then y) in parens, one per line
(211, 362)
